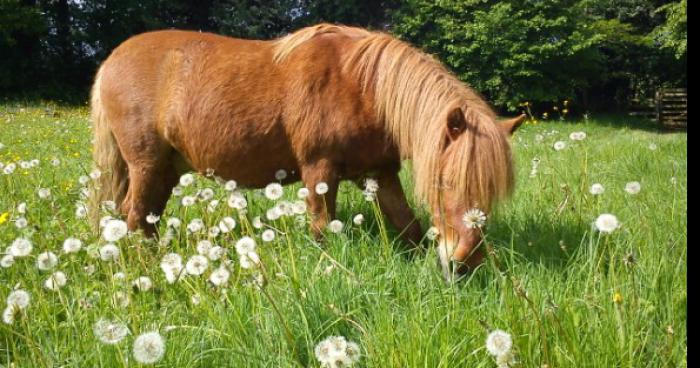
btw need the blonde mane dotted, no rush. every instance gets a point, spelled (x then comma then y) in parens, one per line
(413, 93)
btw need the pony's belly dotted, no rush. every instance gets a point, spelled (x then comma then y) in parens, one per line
(251, 168)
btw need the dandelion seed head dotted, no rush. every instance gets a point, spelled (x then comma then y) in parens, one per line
(607, 223)
(499, 342)
(110, 332)
(149, 348)
(21, 247)
(633, 187)
(46, 261)
(19, 298)
(474, 218)
(597, 189)
(335, 226)
(114, 230)
(72, 245)
(186, 180)
(196, 265)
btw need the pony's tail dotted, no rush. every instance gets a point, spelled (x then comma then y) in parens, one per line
(113, 182)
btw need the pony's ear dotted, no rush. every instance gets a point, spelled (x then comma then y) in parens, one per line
(511, 125)
(456, 124)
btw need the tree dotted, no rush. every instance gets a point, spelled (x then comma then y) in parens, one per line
(21, 28)
(512, 51)
(673, 34)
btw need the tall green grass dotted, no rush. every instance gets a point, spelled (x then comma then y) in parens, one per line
(569, 296)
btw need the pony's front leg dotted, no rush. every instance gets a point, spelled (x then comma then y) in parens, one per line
(394, 205)
(321, 179)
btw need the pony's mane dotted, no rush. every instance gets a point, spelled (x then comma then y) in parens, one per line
(413, 93)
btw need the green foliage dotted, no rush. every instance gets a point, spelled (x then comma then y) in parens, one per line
(512, 51)
(21, 26)
(673, 34)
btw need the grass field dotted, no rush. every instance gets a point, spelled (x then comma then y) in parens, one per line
(568, 295)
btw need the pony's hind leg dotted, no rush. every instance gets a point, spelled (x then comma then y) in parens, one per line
(393, 203)
(149, 189)
(321, 207)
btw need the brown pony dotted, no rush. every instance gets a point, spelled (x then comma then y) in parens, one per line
(326, 103)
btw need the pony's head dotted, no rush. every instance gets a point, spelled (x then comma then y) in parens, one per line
(474, 171)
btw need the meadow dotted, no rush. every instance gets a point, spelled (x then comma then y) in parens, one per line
(567, 294)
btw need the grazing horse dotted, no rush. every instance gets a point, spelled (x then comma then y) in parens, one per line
(326, 103)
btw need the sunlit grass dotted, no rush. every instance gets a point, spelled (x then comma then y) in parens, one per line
(569, 296)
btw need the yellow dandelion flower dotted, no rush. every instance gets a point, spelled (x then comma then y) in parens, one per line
(4, 217)
(617, 298)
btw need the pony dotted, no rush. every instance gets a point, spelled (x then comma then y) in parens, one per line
(326, 103)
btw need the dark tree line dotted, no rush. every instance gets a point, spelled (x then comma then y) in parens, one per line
(602, 53)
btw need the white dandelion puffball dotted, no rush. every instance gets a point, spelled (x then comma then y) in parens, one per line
(21, 247)
(7, 261)
(109, 252)
(174, 223)
(336, 351)
(196, 265)
(21, 223)
(188, 201)
(171, 264)
(195, 226)
(211, 207)
(597, 189)
(215, 253)
(152, 219)
(432, 233)
(230, 185)
(633, 187)
(249, 260)
(227, 224)
(321, 188)
(273, 213)
(577, 136)
(95, 174)
(206, 194)
(274, 191)
(607, 223)
(143, 283)
(335, 226)
(281, 175)
(257, 222)
(72, 245)
(203, 247)
(177, 191)
(237, 201)
(559, 145)
(268, 235)
(110, 332)
(219, 277)
(186, 180)
(46, 261)
(302, 193)
(498, 343)
(56, 281)
(359, 219)
(80, 210)
(19, 299)
(299, 207)
(22, 208)
(245, 245)
(9, 314)
(44, 193)
(474, 218)
(149, 348)
(371, 185)
(114, 230)
(653, 146)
